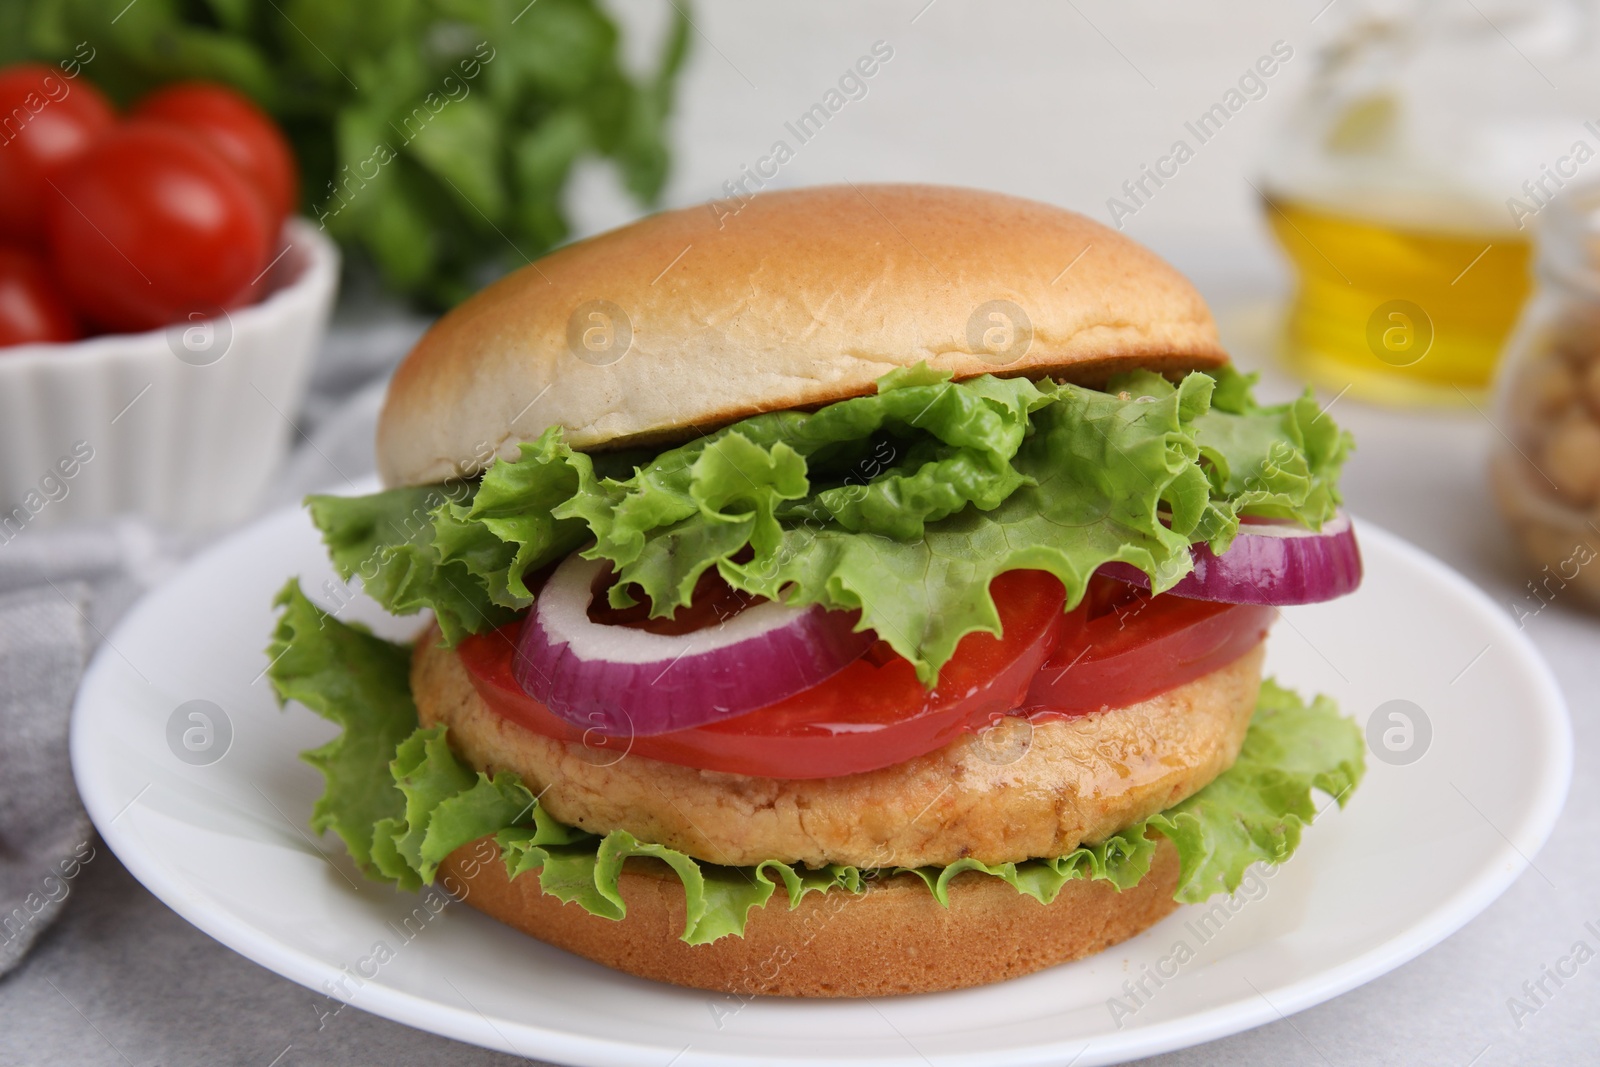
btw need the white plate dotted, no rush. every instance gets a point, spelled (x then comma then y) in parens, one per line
(1421, 849)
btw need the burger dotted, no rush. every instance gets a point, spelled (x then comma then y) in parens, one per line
(859, 593)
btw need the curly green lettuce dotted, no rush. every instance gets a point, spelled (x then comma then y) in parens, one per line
(901, 505)
(402, 801)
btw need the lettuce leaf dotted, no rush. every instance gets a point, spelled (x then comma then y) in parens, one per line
(362, 683)
(402, 801)
(1257, 809)
(1278, 462)
(1100, 472)
(507, 527)
(901, 505)
(389, 540)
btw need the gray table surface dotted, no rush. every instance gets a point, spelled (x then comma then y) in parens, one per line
(123, 980)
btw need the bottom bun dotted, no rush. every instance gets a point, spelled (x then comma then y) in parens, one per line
(893, 938)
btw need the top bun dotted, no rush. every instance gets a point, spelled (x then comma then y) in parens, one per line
(694, 318)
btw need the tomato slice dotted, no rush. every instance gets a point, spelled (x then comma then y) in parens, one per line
(1122, 645)
(872, 714)
(1118, 647)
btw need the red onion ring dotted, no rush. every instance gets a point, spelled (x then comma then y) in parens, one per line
(618, 680)
(1272, 563)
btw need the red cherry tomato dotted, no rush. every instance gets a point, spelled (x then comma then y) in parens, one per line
(32, 309)
(46, 121)
(153, 227)
(237, 130)
(875, 713)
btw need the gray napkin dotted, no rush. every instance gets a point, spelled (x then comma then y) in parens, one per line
(44, 833)
(60, 591)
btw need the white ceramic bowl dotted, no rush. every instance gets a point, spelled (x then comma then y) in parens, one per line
(184, 426)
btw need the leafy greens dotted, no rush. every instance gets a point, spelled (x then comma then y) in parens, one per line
(901, 505)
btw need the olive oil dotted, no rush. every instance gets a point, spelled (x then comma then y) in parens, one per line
(1399, 312)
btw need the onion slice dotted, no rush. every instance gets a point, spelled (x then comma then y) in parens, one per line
(618, 680)
(1273, 563)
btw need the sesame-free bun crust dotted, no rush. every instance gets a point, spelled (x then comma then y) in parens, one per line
(1016, 792)
(795, 299)
(893, 938)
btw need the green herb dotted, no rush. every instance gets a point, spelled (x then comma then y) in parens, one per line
(434, 136)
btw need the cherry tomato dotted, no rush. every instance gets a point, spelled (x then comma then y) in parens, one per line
(152, 227)
(237, 130)
(47, 120)
(32, 309)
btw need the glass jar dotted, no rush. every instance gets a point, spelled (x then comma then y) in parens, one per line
(1545, 468)
(1402, 183)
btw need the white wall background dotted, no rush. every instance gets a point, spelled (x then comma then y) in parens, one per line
(1060, 101)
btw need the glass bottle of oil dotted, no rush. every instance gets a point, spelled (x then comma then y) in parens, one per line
(1403, 185)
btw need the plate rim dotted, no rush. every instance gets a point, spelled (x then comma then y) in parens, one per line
(465, 1023)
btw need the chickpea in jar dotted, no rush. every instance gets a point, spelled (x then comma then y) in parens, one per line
(1546, 475)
